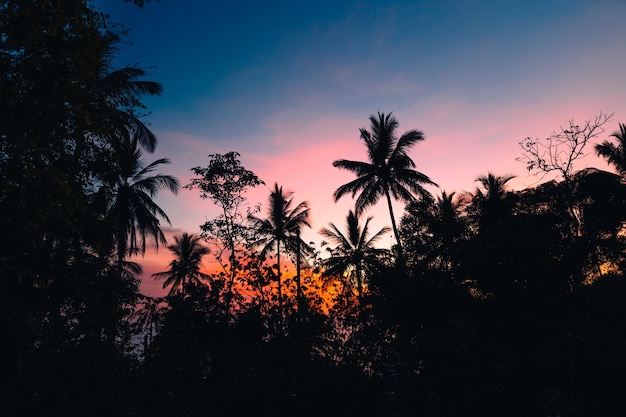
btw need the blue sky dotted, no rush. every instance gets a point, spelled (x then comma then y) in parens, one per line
(288, 85)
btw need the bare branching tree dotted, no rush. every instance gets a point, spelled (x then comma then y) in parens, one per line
(559, 151)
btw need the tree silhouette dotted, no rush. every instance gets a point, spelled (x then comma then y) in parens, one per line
(149, 316)
(389, 170)
(491, 200)
(114, 97)
(128, 195)
(614, 154)
(282, 226)
(184, 270)
(355, 254)
(64, 303)
(433, 230)
(494, 186)
(559, 151)
(225, 181)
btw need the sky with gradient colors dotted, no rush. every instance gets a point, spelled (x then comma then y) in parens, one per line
(288, 85)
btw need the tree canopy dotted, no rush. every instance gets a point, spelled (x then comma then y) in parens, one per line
(507, 302)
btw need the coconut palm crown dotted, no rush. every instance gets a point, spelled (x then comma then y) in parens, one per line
(355, 253)
(281, 227)
(184, 270)
(129, 193)
(389, 171)
(615, 154)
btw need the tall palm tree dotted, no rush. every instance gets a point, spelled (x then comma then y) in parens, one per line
(128, 195)
(355, 253)
(615, 154)
(390, 171)
(184, 270)
(281, 227)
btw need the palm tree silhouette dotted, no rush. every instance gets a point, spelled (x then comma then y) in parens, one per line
(435, 228)
(184, 270)
(355, 252)
(492, 199)
(615, 154)
(494, 186)
(149, 315)
(389, 171)
(282, 226)
(129, 195)
(114, 98)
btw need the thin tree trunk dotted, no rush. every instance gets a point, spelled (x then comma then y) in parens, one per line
(280, 292)
(395, 229)
(231, 282)
(359, 283)
(298, 282)
(121, 252)
(231, 246)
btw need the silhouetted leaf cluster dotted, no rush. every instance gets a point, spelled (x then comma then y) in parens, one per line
(495, 302)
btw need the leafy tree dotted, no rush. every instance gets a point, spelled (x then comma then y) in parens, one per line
(601, 202)
(282, 226)
(184, 271)
(225, 181)
(389, 170)
(45, 147)
(615, 154)
(64, 303)
(355, 254)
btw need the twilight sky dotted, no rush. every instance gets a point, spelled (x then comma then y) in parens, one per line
(288, 85)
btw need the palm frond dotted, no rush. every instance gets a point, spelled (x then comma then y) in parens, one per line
(353, 186)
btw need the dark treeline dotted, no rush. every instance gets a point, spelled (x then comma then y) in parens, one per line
(490, 303)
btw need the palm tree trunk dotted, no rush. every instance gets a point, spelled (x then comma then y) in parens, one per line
(280, 292)
(359, 281)
(400, 260)
(121, 251)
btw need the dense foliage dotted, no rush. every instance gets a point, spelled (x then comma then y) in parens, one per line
(496, 302)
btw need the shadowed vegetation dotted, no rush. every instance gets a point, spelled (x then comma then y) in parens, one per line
(499, 302)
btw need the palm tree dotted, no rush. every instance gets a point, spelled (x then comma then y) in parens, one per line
(389, 171)
(432, 230)
(114, 98)
(494, 186)
(355, 253)
(128, 195)
(492, 199)
(184, 270)
(149, 315)
(615, 154)
(282, 226)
